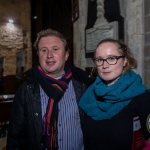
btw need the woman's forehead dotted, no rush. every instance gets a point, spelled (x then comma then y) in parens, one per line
(107, 47)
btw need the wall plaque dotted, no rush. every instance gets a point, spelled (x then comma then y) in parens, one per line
(96, 34)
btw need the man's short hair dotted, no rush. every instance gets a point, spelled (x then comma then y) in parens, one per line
(50, 32)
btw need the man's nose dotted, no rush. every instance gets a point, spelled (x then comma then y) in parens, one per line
(49, 54)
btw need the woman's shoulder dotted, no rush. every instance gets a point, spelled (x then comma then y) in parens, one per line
(144, 97)
(146, 94)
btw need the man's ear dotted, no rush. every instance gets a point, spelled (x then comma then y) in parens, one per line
(66, 55)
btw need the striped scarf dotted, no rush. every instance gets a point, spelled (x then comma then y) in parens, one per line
(55, 90)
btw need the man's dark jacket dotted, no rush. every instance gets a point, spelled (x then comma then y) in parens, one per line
(25, 127)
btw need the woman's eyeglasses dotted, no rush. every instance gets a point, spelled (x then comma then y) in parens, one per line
(110, 60)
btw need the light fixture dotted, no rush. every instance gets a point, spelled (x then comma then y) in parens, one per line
(10, 25)
(11, 21)
(35, 17)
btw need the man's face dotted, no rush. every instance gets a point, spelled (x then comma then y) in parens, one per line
(52, 56)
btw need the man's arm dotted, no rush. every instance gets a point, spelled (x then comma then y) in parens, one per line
(16, 124)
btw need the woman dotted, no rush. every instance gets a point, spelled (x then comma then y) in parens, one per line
(117, 104)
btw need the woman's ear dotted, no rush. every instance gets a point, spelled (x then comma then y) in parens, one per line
(125, 61)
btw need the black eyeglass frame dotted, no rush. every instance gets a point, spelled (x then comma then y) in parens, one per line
(116, 57)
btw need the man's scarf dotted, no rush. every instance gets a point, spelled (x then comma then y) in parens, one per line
(55, 90)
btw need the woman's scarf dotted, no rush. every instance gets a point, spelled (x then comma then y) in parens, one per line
(55, 90)
(103, 102)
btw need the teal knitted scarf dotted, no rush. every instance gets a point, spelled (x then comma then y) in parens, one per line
(103, 102)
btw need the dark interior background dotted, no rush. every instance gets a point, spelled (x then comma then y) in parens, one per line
(57, 14)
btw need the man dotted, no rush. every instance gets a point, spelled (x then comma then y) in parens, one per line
(45, 114)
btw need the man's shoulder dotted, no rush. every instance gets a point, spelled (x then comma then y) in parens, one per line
(31, 74)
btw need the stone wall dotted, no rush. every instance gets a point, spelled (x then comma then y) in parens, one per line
(134, 31)
(19, 39)
(137, 34)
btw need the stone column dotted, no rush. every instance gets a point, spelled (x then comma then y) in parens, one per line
(100, 14)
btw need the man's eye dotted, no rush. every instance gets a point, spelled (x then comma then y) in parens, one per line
(55, 49)
(43, 50)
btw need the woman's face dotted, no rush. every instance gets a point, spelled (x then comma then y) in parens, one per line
(109, 73)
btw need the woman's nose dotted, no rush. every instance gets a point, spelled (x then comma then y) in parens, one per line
(105, 64)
